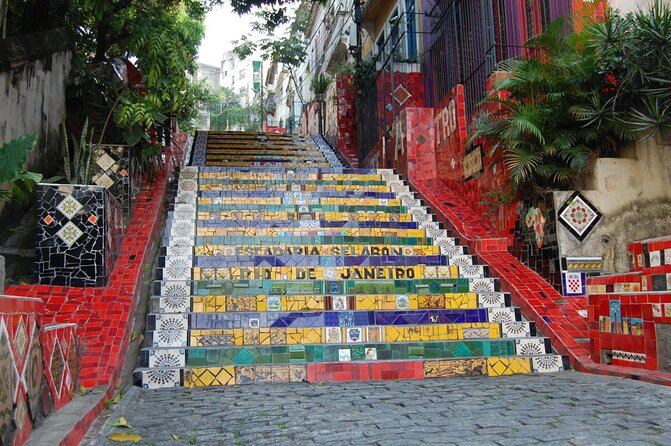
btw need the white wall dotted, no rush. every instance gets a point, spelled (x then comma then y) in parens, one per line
(634, 196)
(632, 5)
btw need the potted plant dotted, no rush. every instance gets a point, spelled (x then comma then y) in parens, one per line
(319, 84)
(80, 224)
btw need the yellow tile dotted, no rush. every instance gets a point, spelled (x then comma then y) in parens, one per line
(264, 336)
(209, 376)
(294, 336)
(261, 303)
(392, 333)
(508, 366)
(312, 336)
(238, 336)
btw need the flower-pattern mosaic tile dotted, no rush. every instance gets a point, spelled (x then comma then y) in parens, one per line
(578, 215)
(279, 264)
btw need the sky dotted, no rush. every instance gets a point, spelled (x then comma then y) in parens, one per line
(222, 26)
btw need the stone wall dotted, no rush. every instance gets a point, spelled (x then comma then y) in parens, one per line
(34, 71)
(633, 196)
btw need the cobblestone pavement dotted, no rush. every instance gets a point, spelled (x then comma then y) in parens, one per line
(568, 408)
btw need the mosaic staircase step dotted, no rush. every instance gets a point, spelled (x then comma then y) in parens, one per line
(280, 265)
(324, 319)
(473, 274)
(179, 269)
(209, 205)
(246, 287)
(231, 354)
(347, 370)
(301, 260)
(293, 197)
(176, 299)
(292, 232)
(325, 246)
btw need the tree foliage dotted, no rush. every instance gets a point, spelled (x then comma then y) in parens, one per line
(635, 52)
(228, 112)
(288, 49)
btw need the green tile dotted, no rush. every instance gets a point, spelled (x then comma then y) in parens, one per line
(280, 358)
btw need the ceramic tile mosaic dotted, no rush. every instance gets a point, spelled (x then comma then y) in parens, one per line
(578, 215)
(23, 400)
(80, 241)
(61, 361)
(279, 267)
(116, 173)
(102, 315)
(573, 283)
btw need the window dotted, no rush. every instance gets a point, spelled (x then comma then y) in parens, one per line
(411, 29)
(545, 13)
(393, 24)
(380, 43)
(529, 18)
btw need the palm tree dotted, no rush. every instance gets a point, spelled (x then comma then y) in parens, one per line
(534, 113)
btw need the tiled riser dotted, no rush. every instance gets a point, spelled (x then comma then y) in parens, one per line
(303, 354)
(232, 304)
(329, 318)
(281, 274)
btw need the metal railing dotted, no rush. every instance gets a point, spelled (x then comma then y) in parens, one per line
(377, 109)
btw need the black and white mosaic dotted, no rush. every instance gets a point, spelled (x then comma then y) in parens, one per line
(79, 235)
(116, 173)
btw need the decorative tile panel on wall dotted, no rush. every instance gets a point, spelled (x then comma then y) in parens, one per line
(116, 173)
(21, 368)
(535, 239)
(79, 234)
(450, 124)
(346, 103)
(413, 144)
(578, 215)
(61, 361)
(479, 176)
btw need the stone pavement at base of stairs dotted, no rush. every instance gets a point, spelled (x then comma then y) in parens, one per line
(568, 408)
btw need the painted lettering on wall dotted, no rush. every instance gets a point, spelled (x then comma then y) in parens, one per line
(446, 121)
(473, 162)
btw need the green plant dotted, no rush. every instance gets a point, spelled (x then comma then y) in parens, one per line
(79, 166)
(634, 53)
(533, 114)
(13, 155)
(320, 83)
(150, 161)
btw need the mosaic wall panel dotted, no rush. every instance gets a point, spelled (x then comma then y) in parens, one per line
(61, 359)
(535, 239)
(346, 119)
(116, 172)
(21, 369)
(80, 230)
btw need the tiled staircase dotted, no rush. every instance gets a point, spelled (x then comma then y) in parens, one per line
(280, 265)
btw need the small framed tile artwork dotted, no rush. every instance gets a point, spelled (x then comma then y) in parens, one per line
(573, 283)
(578, 215)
